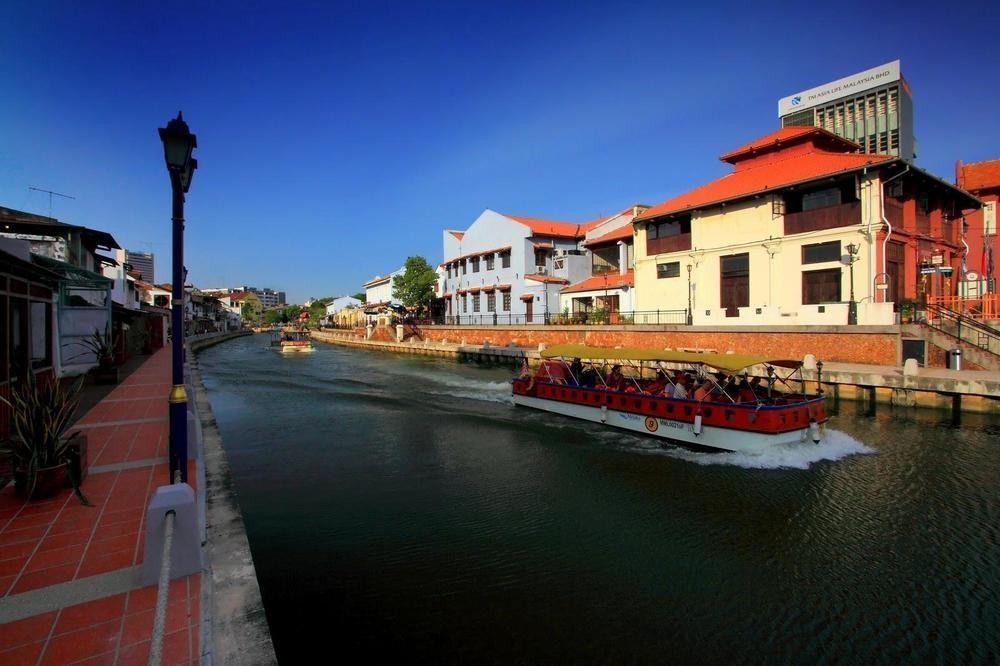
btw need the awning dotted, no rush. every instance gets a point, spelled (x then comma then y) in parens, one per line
(503, 287)
(105, 260)
(489, 288)
(527, 297)
(463, 292)
(473, 290)
(727, 362)
(544, 246)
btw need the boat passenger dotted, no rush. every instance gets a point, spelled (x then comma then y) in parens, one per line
(703, 390)
(744, 392)
(615, 379)
(680, 388)
(587, 377)
(576, 369)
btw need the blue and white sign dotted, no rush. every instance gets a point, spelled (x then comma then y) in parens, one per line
(847, 86)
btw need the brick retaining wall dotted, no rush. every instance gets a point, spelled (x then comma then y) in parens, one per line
(864, 344)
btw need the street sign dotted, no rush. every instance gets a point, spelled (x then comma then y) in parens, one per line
(937, 259)
(945, 270)
(927, 270)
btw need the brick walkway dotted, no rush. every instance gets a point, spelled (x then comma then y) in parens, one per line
(78, 565)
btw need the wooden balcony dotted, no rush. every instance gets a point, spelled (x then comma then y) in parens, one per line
(894, 212)
(830, 217)
(677, 243)
(923, 223)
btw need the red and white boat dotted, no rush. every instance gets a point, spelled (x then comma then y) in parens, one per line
(728, 414)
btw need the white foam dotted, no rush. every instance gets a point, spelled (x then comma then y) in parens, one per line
(836, 445)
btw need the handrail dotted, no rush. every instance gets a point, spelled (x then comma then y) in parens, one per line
(989, 337)
(163, 586)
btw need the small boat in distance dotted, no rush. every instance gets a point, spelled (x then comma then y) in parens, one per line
(291, 340)
(695, 399)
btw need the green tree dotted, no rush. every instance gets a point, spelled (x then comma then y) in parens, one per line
(360, 296)
(273, 316)
(415, 287)
(291, 313)
(251, 310)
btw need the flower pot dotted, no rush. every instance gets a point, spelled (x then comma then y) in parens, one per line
(48, 481)
(106, 375)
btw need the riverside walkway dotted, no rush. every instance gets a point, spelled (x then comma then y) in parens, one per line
(70, 589)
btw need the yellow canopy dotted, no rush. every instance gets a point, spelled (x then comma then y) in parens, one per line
(726, 362)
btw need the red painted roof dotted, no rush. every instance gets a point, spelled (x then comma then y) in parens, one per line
(550, 227)
(783, 136)
(621, 233)
(769, 175)
(546, 278)
(457, 234)
(978, 175)
(596, 282)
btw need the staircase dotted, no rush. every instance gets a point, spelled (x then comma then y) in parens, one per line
(979, 342)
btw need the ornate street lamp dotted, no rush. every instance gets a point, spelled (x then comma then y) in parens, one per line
(852, 306)
(178, 146)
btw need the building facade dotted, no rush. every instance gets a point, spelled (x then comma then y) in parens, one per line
(979, 277)
(873, 108)
(141, 263)
(607, 295)
(378, 291)
(508, 269)
(771, 242)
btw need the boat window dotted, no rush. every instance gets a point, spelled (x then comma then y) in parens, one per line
(670, 409)
(637, 404)
(652, 405)
(687, 410)
(708, 412)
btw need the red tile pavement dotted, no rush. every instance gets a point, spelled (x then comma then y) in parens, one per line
(53, 541)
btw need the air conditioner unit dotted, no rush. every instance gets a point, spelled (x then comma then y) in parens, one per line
(541, 270)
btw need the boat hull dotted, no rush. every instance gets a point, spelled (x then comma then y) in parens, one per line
(296, 349)
(710, 437)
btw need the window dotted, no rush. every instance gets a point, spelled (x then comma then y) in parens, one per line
(41, 334)
(475, 302)
(821, 286)
(604, 260)
(491, 302)
(86, 298)
(989, 218)
(475, 264)
(821, 199)
(817, 253)
(18, 336)
(670, 269)
(463, 266)
(465, 302)
(448, 267)
(505, 260)
(489, 261)
(540, 256)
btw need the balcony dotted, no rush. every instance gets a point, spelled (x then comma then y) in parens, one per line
(830, 217)
(923, 223)
(676, 243)
(894, 212)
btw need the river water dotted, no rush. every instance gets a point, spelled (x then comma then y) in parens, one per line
(399, 509)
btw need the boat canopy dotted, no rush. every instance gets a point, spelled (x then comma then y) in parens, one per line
(726, 362)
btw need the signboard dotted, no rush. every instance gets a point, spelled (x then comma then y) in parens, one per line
(849, 85)
(971, 277)
(928, 270)
(945, 270)
(937, 259)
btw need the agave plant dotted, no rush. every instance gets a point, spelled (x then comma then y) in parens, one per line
(40, 416)
(101, 345)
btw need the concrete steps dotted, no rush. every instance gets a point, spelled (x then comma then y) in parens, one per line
(970, 352)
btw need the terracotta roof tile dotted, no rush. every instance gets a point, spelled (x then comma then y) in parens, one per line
(621, 233)
(784, 135)
(546, 278)
(596, 282)
(979, 175)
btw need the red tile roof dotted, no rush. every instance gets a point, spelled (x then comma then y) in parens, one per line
(550, 227)
(457, 234)
(546, 278)
(978, 175)
(775, 139)
(596, 282)
(621, 233)
(776, 173)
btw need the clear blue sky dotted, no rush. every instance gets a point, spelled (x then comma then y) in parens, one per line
(335, 140)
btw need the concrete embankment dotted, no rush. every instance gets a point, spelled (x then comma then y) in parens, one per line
(234, 627)
(205, 340)
(960, 391)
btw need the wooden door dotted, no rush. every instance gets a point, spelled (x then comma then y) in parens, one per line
(735, 283)
(529, 311)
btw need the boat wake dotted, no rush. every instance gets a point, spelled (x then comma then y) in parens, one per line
(470, 389)
(836, 445)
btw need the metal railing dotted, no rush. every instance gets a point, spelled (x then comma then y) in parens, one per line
(594, 318)
(962, 328)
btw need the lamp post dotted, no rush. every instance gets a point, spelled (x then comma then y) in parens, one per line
(690, 318)
(852, 306)
(178, 144)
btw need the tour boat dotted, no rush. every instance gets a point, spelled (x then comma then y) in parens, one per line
(291, 341)
(726, 412)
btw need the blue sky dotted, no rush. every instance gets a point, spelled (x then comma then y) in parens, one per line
(337, 139)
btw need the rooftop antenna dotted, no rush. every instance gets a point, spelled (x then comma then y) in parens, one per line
(50, 193)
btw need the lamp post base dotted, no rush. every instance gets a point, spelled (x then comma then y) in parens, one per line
(178, 439)
(852, 314)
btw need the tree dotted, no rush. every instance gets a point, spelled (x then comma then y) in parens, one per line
(415, 287)
(360, 296)
(251, 310)
(273, 316)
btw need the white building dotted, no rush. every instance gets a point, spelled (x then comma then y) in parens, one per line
(378, 290)
(508, 269)
(341, 302)
(609, 289)
(123, 290)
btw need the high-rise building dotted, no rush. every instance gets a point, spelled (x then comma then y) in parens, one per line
(141, 262)
(873, 108)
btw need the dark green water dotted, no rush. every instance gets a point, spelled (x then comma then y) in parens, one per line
(400, 510)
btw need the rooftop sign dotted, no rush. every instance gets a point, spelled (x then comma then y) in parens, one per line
(849, 85)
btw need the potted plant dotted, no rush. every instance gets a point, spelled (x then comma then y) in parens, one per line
(103, 346)
(43, 456)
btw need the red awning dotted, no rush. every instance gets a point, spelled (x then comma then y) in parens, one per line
(473, 290)
(503, 287)
(527, 297)
(489, 288)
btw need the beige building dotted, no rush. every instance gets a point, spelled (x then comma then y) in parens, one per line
(769, 243)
